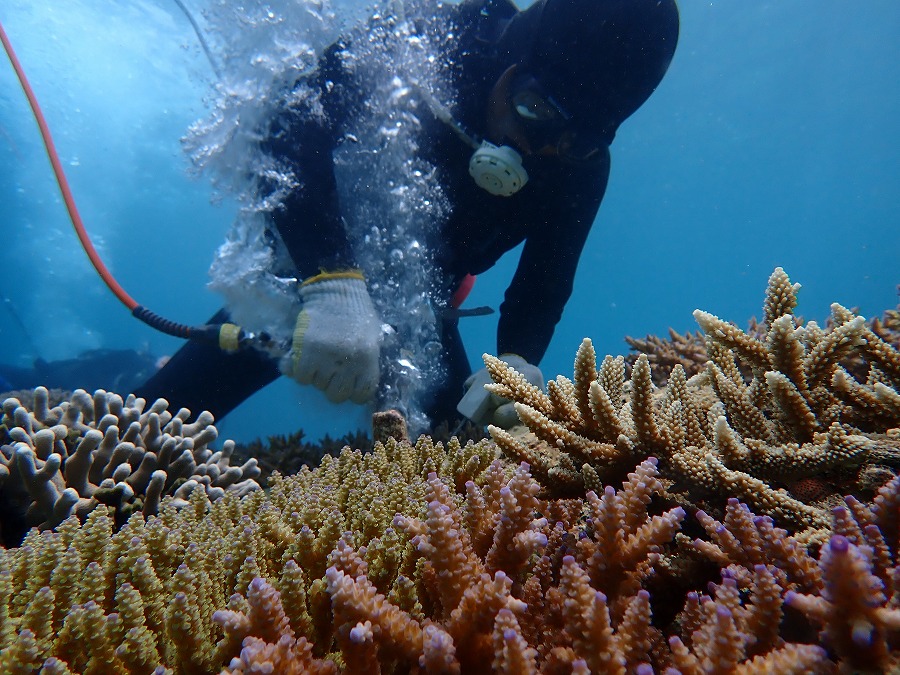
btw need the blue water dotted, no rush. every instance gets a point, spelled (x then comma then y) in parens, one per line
(772, 141)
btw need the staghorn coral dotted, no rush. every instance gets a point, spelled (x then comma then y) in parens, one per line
(586, 601)
(463, 592)
(689, 349)
(744, 540)
(556, 618)
(266, 637)
(852, 607)
(412, 556)
(857, 608)
(722, 633)
(287, 453)
(799, 417)
(101, 449)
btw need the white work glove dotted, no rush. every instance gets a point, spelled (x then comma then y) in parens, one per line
(337, 338)
(483, 407)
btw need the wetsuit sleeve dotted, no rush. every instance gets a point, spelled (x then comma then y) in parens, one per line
(302, 140)
(543, 281)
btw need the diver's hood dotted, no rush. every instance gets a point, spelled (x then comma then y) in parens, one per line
(599, 59)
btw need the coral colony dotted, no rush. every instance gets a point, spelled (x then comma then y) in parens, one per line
(742, 517)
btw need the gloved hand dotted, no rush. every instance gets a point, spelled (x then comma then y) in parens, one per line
(483, 407)
(337, 338)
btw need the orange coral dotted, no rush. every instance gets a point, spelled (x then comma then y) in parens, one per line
(286, 657)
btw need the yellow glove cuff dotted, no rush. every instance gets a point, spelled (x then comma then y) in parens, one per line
(325, 276)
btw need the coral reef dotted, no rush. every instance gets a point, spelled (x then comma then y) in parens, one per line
(474, 572)
(788, 439)
(695, 528)
(187, 589)
(857, 609)
(101, 449)
(689, 349)
(287, 454)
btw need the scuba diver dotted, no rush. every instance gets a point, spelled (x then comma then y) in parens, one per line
(523, 157)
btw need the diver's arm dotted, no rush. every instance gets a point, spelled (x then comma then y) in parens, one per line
(302, 140)
(535, 299)
(543, 281)
(309, 217)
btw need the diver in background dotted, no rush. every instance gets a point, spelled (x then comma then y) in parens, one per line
(524, 157)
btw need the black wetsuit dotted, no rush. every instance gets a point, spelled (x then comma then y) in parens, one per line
(552, 214)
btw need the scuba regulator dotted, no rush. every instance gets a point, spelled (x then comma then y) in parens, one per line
(497, 169)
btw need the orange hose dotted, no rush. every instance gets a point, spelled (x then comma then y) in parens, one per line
(62, 181)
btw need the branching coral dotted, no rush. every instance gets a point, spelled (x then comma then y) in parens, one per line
(266, 637)
(852, 607)
(419, 556)
(743, 540)
(237, 582)
(462, 591)
(857, 608)
(723, 634)
(287, 453)
(501, 605)
(473, 572)
(799, 417)
(586, 553)
(102, 449)
(689, 349)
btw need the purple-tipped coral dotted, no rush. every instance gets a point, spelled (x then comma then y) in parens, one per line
(852, 609)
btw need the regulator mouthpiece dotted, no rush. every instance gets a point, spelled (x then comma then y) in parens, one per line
(498, 169)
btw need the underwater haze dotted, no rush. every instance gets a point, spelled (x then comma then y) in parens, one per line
(772, 141)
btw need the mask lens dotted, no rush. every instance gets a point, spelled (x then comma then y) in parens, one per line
(547, 126)
(532, 107)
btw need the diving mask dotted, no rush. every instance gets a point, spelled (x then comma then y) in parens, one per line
(522, 112)
(547, 128)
